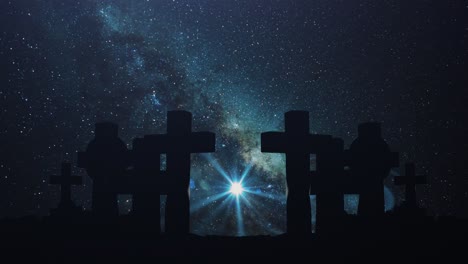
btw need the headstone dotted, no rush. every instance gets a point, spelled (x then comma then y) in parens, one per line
(105, 160)
(370, 161)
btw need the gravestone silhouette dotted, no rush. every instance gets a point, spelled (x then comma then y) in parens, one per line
(65, 180)
(410, 180)
(297, 143)
(178, 144)
(105, 160)
(327, 183)
(370, 161)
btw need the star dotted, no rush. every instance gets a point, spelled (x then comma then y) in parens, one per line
(236, 188)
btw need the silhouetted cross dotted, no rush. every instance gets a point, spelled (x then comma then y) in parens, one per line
(410, 180)
(65, 180)
(297, 143)
(178, 144)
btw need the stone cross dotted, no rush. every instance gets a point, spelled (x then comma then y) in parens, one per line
(297, 143)
(179, 143)
(410, 180)
(65, 180)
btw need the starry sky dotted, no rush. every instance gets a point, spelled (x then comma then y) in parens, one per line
(237, 65)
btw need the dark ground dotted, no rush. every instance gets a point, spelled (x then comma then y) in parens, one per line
(32, 239)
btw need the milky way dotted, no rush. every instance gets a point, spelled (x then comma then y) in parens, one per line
(236, 65)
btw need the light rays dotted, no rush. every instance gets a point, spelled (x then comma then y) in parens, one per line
(236, 194)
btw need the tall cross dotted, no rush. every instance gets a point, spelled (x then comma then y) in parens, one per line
(178, 144)
(65, 180)
(297, 143)
(410, 180)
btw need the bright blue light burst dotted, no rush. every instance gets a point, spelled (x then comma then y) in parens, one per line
(238, 192)
(236, 188)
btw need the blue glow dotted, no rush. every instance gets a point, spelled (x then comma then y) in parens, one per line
(192, 184)
(389, 199)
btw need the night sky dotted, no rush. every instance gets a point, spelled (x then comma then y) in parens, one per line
(237, 65)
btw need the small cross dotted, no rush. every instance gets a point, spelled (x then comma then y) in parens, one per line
(410, 180)
(65, 180)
